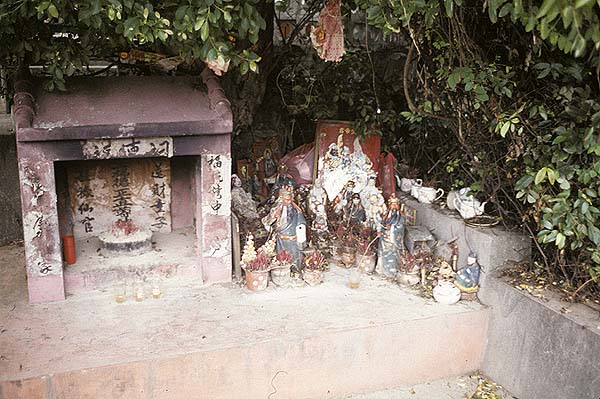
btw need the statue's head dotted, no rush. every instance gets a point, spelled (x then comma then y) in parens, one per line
(394, 202)
(286, 195)
(355, 199)
(236, 181)
(472, 258)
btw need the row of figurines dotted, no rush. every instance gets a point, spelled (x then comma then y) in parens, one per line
(287, 224)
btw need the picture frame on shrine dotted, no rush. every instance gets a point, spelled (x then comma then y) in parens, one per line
(328, 132)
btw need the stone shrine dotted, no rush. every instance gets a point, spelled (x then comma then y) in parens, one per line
(151, 152)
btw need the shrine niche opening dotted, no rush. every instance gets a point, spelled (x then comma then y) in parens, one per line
(130, 218)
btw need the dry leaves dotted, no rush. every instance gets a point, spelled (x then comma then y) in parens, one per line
(486, 389)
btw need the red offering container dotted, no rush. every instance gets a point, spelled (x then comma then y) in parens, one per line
(69, 249)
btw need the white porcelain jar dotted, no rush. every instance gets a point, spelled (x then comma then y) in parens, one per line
(446, 292)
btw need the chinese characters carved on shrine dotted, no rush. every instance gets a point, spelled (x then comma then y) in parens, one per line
(128, 148)
(216, 164)
(159, 194)
(84, 194)
(121, 200)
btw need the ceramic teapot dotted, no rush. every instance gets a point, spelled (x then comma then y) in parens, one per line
(467, 205)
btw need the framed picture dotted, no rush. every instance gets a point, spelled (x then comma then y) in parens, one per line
(341, 132)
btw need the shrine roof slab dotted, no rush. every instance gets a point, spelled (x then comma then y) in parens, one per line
(125, 106)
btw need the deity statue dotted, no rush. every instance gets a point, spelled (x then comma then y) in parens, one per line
(282, 179)
(391, 238)
(287, 223)
(343, 198)
(371, 196)
(319, 224)
(353, 212)
(317, 199)
(467, 278)
(375, 211)
(317, 195)
(242, 201)
(270, 167)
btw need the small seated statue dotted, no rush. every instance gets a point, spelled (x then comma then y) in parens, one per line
(343, 198)
(467, 278)
(353, 212)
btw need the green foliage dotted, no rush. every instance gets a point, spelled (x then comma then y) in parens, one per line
(571, 26)
(65, 35)
(509, 114)
(349, 90)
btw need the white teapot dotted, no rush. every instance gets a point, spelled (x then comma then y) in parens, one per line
(467, 205)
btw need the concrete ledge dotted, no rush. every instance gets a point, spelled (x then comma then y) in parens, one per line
(493, 245)
(535, 351)
(328, 365)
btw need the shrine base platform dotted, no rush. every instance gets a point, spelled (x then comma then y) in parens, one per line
(222, 341)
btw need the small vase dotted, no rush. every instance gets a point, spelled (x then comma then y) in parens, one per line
(257, 281)
(281, 276)
(366, 263)
(312, 277)
(408, 279)
(348, 256)
(336, 252)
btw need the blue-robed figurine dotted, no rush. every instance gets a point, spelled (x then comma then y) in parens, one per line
(467, 278)
(288, 225)
(391, 238)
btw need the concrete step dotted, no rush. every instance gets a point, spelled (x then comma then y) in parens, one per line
(226, 342)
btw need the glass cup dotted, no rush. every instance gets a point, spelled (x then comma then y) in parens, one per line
(138, 292)
(120, 292)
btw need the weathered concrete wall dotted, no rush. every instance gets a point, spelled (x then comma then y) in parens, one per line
(493, 246)
(535, 351)
(11, 225)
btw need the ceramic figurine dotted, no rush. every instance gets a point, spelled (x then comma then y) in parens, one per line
(282, 179)
(371, 197)
(319, 224)
(241, 201)
(343, 198)
(270, 167)
(353, 212)
(467, 278)
(391, 238)
(287, 223)
(375, 211)
(317, 196)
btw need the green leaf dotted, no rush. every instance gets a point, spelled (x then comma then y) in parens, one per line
(540, 176)
(560, 240)
(449, 6)
(205, 31)
(507, 8)
(547, 5)
(52, 11)
(584, 3)
(504, 129)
